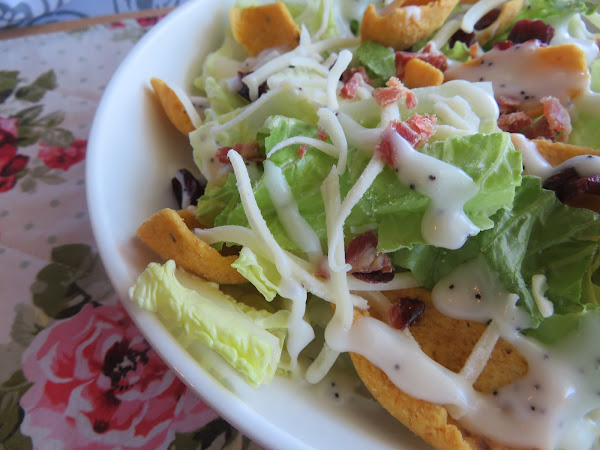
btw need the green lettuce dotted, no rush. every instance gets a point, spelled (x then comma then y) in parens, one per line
(539, 235)
(247, 338)
(542, 9)
(378, 60)
(259, 271)
(388, 202)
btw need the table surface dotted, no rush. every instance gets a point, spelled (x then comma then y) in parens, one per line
(75, 372)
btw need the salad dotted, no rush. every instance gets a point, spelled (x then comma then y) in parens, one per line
(399, 193)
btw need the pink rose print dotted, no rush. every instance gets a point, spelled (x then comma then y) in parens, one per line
(62, 158)
(148, 21)
(97, 384)
(10, 162)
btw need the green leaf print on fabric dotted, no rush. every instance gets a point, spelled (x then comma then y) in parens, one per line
(11, 414)
(8, 82)
(35, 91)
(33, 128)
(74, 278)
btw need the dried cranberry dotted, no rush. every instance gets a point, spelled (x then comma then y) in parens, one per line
(504, 45)
(568, 185)
(187, 188)
(527, 30)
(460, 36)
(405, 311)
(488, 19)
(245, 92)
(375, 277)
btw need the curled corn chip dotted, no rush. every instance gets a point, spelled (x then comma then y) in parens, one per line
(419, 73)
(167, 234)
(260, 27)
(402, 26)
(557, 152)
(509, 12)
(174, 108)
(449, 342)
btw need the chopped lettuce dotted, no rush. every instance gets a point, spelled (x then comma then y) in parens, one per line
(458, 52)
(542, 9)
(595, 73)
(259, 271)
(238, 332)
(490, 159)
(557, 327)
(378, 60)
(585, 122)
(539, 235)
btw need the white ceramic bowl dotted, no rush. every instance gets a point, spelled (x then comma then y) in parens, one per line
(132, 155)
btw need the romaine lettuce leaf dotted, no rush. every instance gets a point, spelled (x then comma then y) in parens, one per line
(490, 160)
(259, 271)
(557, 327)
(378, 60)
(236, 331)
(585, 121)
(541, 9)
(539, 235)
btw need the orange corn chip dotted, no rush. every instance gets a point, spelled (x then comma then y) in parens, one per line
(419, 73)
(557, 152)
(404, 26)
(260, 27)
(449, 342)
(167, 234)
(172, 106)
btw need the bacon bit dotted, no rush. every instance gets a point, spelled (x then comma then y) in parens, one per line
(249, 151)
(321, 134)
(527, 30)
(508, 104)
(323, 268)
(367, 264)
(557, 116)
(349, 73)
(393, 92)
(405, 312)
(428, 54)
(349, 90)
(504, 45)
(416, 131)
(302, 150)
(514, 122)
(539, 130)
(424, 126)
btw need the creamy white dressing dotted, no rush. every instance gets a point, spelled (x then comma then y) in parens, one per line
(400, 357)
(538, 289)
(445, 223)
(535, 164)
(521, 78)
(572, 30)
(546, 408)
(295, 226)
(477, 11)
(562, 384)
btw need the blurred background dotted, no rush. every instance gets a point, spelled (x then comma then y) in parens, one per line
(19, 13)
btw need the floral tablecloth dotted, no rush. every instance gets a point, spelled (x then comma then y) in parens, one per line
(75, 372)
